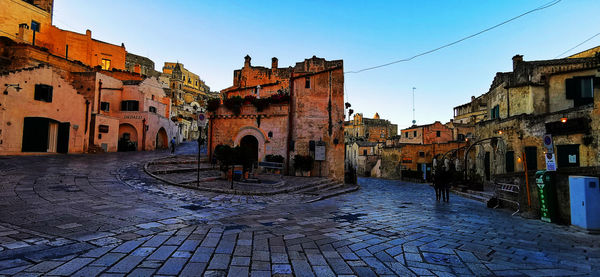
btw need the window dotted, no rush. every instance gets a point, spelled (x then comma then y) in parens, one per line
(307, 82)
(152, 109)
(495, 112)
(130, 105)
(437, 133)
(580, 90)
(43, 93)
(382, 135)
(567, 155)
(461, 137)
(105, 64)
(415, 134)
(406, 134)
(103, 128)
(35, 26)
(364, 152)
(105, 106)
(421, 154)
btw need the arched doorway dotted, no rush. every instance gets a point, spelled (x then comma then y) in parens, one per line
(162, 140)
(128, 139)
(249, 144)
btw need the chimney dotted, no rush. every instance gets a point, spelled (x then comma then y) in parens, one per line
(88, 33)
(274, 63)
(473, 98)
(247, 61)
(516, 60)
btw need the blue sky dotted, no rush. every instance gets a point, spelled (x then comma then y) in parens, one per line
(211, 38)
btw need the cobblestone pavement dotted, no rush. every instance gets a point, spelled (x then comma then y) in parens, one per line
(87, 215)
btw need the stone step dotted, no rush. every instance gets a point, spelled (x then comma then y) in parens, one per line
(488, 194)
(476, 197)
(344, 189)
(317, 186)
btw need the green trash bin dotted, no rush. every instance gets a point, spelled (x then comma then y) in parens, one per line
(547, 195)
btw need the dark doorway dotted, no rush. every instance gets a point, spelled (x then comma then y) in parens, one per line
(510, 161)
(486, 163)
(531, 157)
(35, 134)
(63, 137)
(567, 155)
(250, 146)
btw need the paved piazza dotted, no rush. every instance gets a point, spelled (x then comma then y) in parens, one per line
(87, 215)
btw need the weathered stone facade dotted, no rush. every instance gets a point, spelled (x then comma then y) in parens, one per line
(141, 65)
(315, 112)
(556, 97)
(426, 134)
(369, 129)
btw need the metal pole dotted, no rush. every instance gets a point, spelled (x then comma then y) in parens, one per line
(199, 148)
(413, 98)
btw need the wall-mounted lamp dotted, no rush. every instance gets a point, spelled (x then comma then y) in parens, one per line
(16, 86)
(563, 120)
(500, 132)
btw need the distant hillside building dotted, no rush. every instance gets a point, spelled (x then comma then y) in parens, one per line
(369, 129)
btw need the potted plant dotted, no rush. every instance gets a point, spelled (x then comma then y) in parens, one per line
(303, 165)
(213, 104)
(234, 104)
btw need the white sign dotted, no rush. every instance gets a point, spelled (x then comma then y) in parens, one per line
(320, 153)
(201, 119)
(550, 162)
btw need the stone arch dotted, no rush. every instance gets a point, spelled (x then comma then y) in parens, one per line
(256, 133)
(128, 137)
(162, 140)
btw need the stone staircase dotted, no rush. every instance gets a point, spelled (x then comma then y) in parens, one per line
(481, 196)
(95, 149)
(325, 188)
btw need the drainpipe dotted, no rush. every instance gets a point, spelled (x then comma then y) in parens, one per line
(290, 124)
(144, 134)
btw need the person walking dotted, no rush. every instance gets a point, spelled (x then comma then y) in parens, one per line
(438, 181)
(173, 146)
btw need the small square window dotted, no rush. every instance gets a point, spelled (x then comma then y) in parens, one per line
(105, 106)
(307, 82)
(105, 64)
(152, 109)
(421, 154)
(43, 93)
(415, 134)
(35, 26)
(437, 134)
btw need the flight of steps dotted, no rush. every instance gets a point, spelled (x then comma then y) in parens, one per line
(481, 196)
(326, 188)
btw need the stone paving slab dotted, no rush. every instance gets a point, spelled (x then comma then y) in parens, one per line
(85, 215)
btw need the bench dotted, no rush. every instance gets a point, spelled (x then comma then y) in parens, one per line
(503, 189)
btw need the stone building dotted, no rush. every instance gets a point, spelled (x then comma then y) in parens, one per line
(189, 95)
(362, 156)
(299, 107)
(557, 97)
(140, 65)
(426, 134)
(472, 112)
(369, 129)
(25, 16)
(111, 101)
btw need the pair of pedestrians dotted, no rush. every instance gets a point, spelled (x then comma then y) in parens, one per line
(441, 183)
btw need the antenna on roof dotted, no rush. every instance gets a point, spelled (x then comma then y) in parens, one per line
(414, 122)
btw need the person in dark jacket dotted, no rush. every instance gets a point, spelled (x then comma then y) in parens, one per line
(438, 181)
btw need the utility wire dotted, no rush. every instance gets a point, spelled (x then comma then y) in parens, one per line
(577, 45)
(547, 5)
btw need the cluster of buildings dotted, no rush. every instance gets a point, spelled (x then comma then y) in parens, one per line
(66, 92)
(286, 112)
(541, 113)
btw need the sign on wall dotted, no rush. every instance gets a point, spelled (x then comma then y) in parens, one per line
(550, 162)
(320, 153)
(201, 119)
(547, 139)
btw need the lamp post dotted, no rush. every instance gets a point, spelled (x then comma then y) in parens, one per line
(414, 122)
(201, 120)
